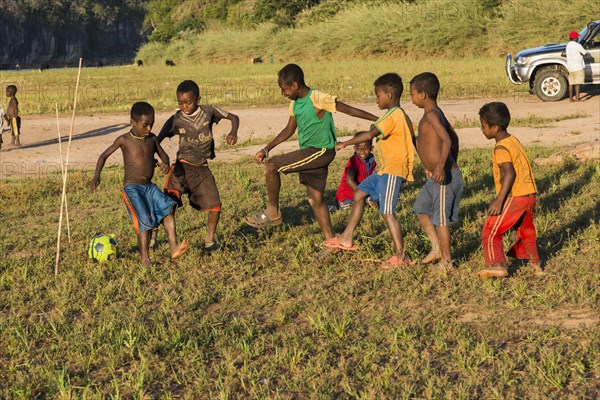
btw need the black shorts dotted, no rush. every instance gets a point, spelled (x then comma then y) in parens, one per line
(311, 164)
(197, 182)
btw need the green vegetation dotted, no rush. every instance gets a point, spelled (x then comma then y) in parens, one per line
(265, 319)
(363, 29)
(531, 121)
(114, 89)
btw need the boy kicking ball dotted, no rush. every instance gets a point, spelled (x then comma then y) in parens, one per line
(147, 205)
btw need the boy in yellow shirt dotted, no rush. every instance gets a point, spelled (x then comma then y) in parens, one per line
(395, 157)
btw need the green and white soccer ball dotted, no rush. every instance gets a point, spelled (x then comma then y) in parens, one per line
(103, 248)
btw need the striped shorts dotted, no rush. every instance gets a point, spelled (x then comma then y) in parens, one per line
(311, 164)
(383, 188)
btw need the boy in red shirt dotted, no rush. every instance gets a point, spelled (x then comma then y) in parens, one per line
(358, 167)
(515, 196)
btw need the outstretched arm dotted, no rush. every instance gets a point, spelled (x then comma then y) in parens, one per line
(355, 112)
(102, 160)
(284, 135)
(235, 123)
(360, 138)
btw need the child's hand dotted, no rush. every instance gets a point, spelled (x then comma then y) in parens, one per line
(339, 146)
(495, 207)
(260, 156)
(232, 138)
(94, 183)
(428, 173)
(438, 175)
(163, 168)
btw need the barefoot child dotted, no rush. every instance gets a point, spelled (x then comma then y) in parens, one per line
(515, 196)
(12, 115)
(190, 174)
(310, 112)
(147, 205)
(358, 168)
(395, 156)
(437, 146)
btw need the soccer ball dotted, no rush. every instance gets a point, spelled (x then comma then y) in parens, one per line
(103, 248)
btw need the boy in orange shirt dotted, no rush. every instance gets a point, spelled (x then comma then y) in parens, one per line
(515, 196)
(395, 157)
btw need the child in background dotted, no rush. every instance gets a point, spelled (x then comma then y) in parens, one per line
(515, 196)
(12, 115)
(358, 168)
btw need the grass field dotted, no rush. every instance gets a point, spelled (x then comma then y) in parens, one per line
(264, 318)
(114, 89)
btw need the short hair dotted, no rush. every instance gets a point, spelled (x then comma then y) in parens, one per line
(369, 142)
(495, 113)
(140, 109)
(291, 73)
(390, 83)
(189, 86)
(428, 83)
(12, 88)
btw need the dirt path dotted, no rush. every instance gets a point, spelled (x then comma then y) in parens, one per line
(93, 133)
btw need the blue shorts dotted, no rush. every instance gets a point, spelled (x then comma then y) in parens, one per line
(441, 201)
(147, 205)
(383, 188)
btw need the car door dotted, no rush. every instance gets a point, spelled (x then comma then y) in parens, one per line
(592, 59)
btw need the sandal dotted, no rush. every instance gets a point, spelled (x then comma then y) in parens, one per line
(260, 220)
(181, 249)
(334, 243)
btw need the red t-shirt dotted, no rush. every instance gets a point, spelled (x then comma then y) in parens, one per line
(362, 170)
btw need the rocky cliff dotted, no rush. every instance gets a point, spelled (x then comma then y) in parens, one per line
(31, 42)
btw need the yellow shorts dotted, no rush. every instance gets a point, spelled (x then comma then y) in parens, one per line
(576, 77)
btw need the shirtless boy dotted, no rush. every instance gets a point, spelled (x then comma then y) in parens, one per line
(437, 146)
(147, 205)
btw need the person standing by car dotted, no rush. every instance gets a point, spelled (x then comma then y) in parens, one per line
(575, 65)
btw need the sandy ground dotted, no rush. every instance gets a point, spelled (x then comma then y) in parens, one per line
(93, 133)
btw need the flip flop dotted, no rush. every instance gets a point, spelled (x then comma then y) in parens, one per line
(260, 220)
(183, 247)
(334, 243)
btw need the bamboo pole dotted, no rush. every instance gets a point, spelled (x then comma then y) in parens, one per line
(64, 189)
(62, 169)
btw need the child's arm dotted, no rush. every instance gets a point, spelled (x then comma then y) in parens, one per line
(164, 163)
(235, 123)
(355, 112)
(284, 135)
(439, 176)
(102, 160)
(362, 137)
(165, 131)
(508, 178)
(350, 178)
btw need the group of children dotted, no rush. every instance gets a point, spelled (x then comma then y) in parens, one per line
(11, 116)
(367, 179)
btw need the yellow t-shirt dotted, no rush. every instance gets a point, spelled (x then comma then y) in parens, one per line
(394, 146)
(515, 153)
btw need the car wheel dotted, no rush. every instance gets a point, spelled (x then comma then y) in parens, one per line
(550, 85)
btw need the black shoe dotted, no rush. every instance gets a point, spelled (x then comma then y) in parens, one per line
(214, 246)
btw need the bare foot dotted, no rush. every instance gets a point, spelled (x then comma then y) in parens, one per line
(146, 263)
(180, 250)
(494, 271)
(536, 268)
(442, 266)
(432, 256)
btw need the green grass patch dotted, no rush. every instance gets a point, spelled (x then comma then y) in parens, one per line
(264, 318)
(531, 121)
(115, 89)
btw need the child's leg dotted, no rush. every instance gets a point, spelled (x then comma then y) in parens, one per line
(211, 226)
(144, 246)
(315, 198)
(494, 229)
(525, 246)
(177, 250)
(273, 187)
(432, 235)
(445, 244)
(393, 224)
(356, 213)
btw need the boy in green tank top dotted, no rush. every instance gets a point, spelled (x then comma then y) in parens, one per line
(310, 112)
